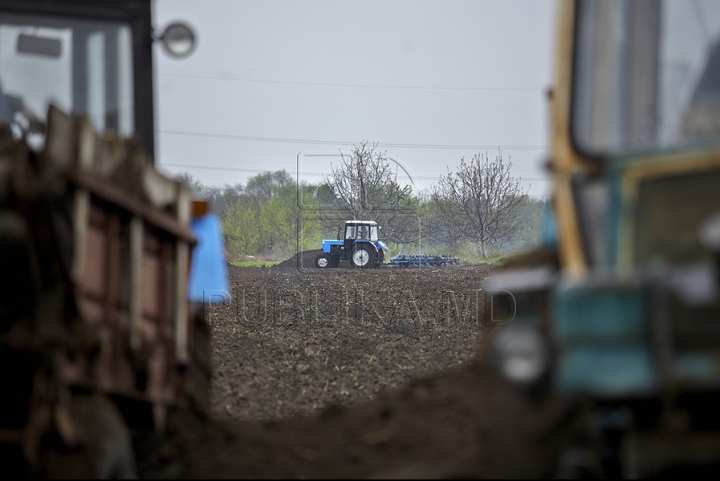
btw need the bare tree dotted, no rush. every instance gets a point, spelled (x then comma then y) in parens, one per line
(480, 201)
(266, 185)
(218, 197)
(197, 187)
(365, 187)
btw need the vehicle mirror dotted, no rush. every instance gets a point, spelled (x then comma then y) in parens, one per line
(45, 46)
(178, 40)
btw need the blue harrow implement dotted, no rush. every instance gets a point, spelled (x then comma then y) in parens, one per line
(423, 260)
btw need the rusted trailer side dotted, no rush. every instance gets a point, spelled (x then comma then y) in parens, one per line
(102, 251)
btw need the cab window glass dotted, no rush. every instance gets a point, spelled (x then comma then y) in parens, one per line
(81, 66)
(646, 75)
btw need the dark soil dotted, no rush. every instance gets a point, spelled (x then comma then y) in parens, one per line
(356, 373)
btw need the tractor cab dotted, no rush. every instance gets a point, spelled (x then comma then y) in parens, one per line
(358, 243)
(360, 231)
(621, 312)
(83, 57)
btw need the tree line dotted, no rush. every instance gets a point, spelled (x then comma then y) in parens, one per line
(478, 209)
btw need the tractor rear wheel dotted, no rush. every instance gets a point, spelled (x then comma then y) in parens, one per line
(380, 258)
(361, 257)
(323, 261)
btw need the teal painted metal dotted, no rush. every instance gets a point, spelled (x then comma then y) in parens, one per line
(592, 311)
(548, 228)
(606, 372)
(614, 212)
(618, 207)
(600, 331)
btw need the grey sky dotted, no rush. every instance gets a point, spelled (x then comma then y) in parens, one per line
(409, 74)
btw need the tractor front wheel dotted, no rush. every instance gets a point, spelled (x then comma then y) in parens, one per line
(323, 261)
(361, 257)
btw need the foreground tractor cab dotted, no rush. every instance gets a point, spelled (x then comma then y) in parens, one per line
(620, 310)
(357, 243)
(86, 57)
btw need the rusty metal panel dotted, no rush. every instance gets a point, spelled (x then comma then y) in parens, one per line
(133, 289)
(119, 245)
(151, 286)
(112, 268)
(93, 277)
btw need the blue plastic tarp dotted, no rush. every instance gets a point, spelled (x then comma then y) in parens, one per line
(208, 282)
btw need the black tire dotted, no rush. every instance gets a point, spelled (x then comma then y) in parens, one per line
(323, 261)
(362, 257)
(379, 258)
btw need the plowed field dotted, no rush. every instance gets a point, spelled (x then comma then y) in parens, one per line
(356, 373)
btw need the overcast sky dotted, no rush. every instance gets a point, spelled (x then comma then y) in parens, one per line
(431, 81)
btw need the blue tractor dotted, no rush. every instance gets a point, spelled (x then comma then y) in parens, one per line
(359, 244)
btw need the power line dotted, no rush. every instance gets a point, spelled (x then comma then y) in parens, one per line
(313, 174)
(321, 84)
(223, 189)
(206, 167)
(340, 142)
